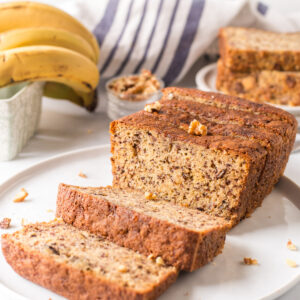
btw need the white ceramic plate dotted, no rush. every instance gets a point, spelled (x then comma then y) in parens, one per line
(263, 236)
(206, 81)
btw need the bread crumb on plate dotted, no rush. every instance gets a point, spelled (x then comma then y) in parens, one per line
(250, 261)
(291, 246)
(81, 174)
(5, 223)
(291, 263)
(21, 196)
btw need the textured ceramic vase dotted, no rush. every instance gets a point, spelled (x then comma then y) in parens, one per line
(20, 110)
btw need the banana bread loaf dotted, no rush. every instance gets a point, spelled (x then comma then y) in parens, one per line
(80, 265)
(183, 237)
(226, 172)
(276, 87)
(246, 49)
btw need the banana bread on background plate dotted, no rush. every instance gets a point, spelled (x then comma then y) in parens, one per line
(213, 152)
(183, 237)
(248, 49)
(80, 265)
(276, 87)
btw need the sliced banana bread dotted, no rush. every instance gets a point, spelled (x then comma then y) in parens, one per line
(246, 49)
(276, 87)
(80, 265)
(226, 169)
(182, 237)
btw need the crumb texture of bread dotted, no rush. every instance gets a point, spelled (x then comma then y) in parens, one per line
(271, 86)
(227, 172)
(183, 237)
(80, 265)
(248, 49)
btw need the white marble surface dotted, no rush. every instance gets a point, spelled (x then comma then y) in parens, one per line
(65, 127)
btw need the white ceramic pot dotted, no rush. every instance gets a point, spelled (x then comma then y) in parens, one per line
(20, 110)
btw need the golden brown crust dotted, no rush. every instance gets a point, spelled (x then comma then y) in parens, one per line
(275, 87)
(148, 235)
(232, 103)
(245, 58)
(68, 281)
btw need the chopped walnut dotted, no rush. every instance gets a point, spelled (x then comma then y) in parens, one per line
(291, 246)
(291, 263)
(154, 107)
(150, 196)
(135, 87)
(81, 174)
(159, 261)
(5, 223)
(250, 261)
(122, 269)
(197, 128)
(21, 196)
(170, 96)
(150, 256)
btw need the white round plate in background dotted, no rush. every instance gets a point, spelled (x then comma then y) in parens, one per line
(206, 81)
(263, 236)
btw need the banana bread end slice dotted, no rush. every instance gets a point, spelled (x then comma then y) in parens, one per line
(80, 265)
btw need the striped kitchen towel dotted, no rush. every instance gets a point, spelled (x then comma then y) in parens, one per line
(166, 36)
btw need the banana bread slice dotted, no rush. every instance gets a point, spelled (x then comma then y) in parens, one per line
(275, 87)
(80, 265)
(183, 237)
(226, 172)
(248, 49)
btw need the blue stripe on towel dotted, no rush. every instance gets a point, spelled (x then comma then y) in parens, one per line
(106, 22)
(262, 8)
(127, 58)
(162, 50)
(142, 61)
(114, 49)
(186, 41)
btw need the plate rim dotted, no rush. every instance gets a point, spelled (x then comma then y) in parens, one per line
(14, 179)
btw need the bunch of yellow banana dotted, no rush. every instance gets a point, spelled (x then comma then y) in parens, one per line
(41, 42)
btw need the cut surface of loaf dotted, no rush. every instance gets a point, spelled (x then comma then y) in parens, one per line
(80, 265)
(275, 87)
(226, 172)
(245, 49)
(182, 237)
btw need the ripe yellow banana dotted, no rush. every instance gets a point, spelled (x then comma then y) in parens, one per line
(61, 91)
(46, 36)
(48, 63)
(33, 14)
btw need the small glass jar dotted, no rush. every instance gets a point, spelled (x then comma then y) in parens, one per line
(118, 107)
